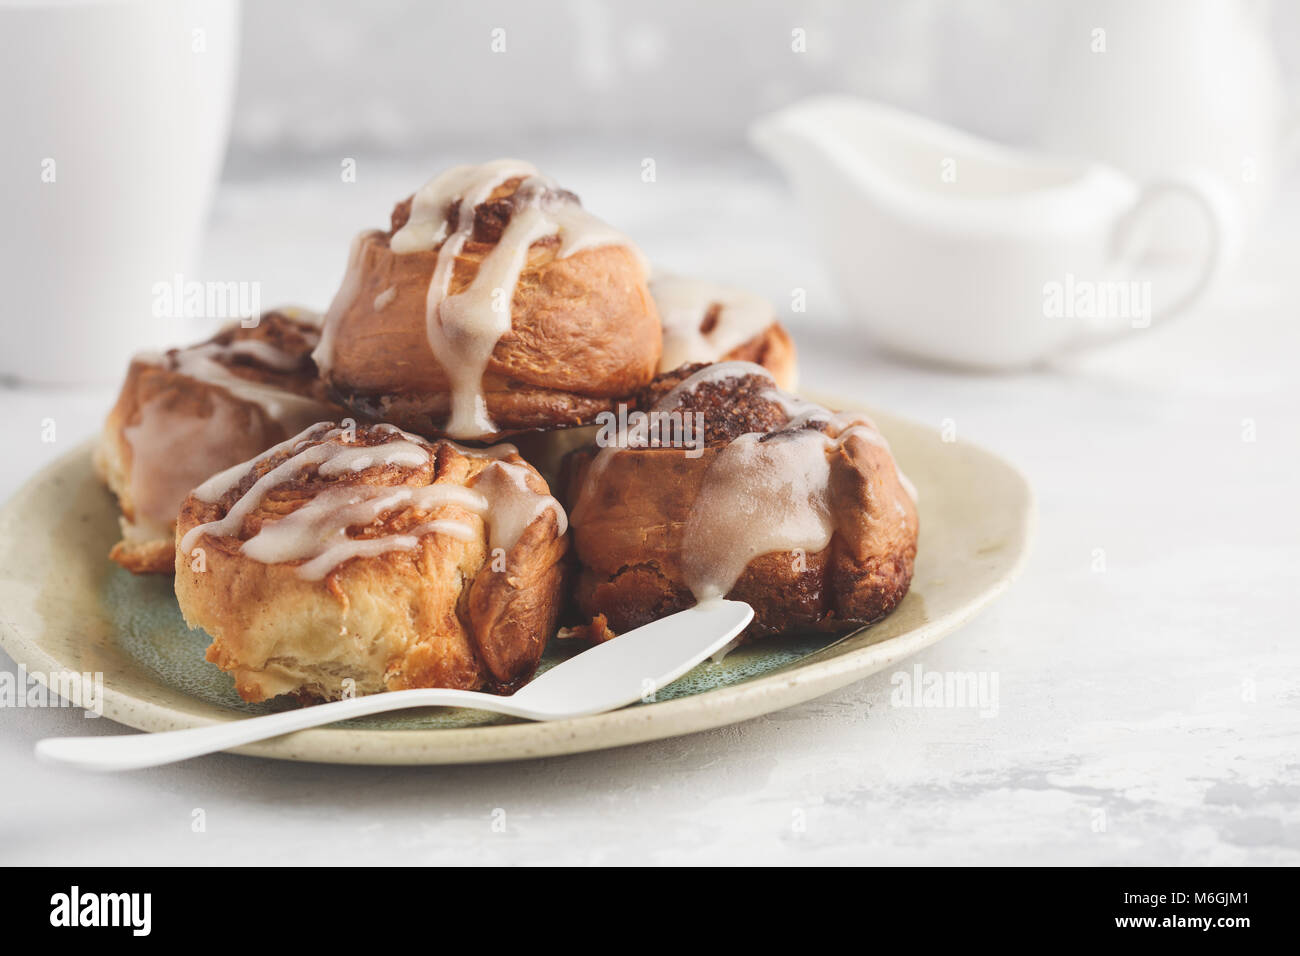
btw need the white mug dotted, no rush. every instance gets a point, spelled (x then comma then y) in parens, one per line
(949, 248)
(114, 119)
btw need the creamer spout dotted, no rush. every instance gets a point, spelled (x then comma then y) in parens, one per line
(807, 140)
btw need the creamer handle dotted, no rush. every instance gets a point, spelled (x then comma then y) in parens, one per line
(1130, 242)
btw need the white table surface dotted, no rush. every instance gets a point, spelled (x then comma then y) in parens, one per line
(1147, 714)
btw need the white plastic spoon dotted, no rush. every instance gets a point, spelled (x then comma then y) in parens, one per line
(606, 677)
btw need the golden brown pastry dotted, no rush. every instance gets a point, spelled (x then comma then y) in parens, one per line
(187, 414)
(709, 322)
(356, 559)
(744, 491)
(702, 322)
(494, 304)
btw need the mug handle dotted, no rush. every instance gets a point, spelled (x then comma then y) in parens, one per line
(1130, 242)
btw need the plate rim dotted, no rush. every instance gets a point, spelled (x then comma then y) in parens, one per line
(787, 686)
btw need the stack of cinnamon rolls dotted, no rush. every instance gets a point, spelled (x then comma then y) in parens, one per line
(501, 426)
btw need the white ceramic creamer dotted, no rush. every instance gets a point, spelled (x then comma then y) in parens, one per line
(950, 248)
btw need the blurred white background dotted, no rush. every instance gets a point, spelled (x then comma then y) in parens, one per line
(338, 76)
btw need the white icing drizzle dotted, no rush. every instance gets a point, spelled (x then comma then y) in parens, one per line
(234, 518)
(384, 298)
(841, 424)
(428, 224)
(683, 305)
(323, 354)
(317, 532)
(712, 374)
(172, 452)
(264, 353)
(761, 493)
(515, 505)
(408, 454)
(757, 497)
(464, 329)
(718, 372)
(213, 488)
(206, 363)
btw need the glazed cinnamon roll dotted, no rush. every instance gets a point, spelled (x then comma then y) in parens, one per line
(710, 322)
(186, 414)
(493, 304)
(767, 498)
(355, 559)
(702, 322)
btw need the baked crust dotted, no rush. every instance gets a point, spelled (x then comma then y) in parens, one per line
(584, 331)
(706, 321)
(774, 350)
(546, 450)
(631, 514)
(446, 612)
(170, 430)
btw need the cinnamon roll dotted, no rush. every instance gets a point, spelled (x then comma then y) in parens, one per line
(186, 414)
(352, 559)
(702, 322)
(493, 304)
(767, 498)
(710, 322)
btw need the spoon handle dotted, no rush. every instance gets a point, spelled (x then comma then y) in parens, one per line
(609, 676)
(134, 751)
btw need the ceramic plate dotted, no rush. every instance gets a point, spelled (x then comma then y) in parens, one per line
(65, 607)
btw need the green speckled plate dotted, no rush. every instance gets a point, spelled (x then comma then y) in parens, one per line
(65, 607)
